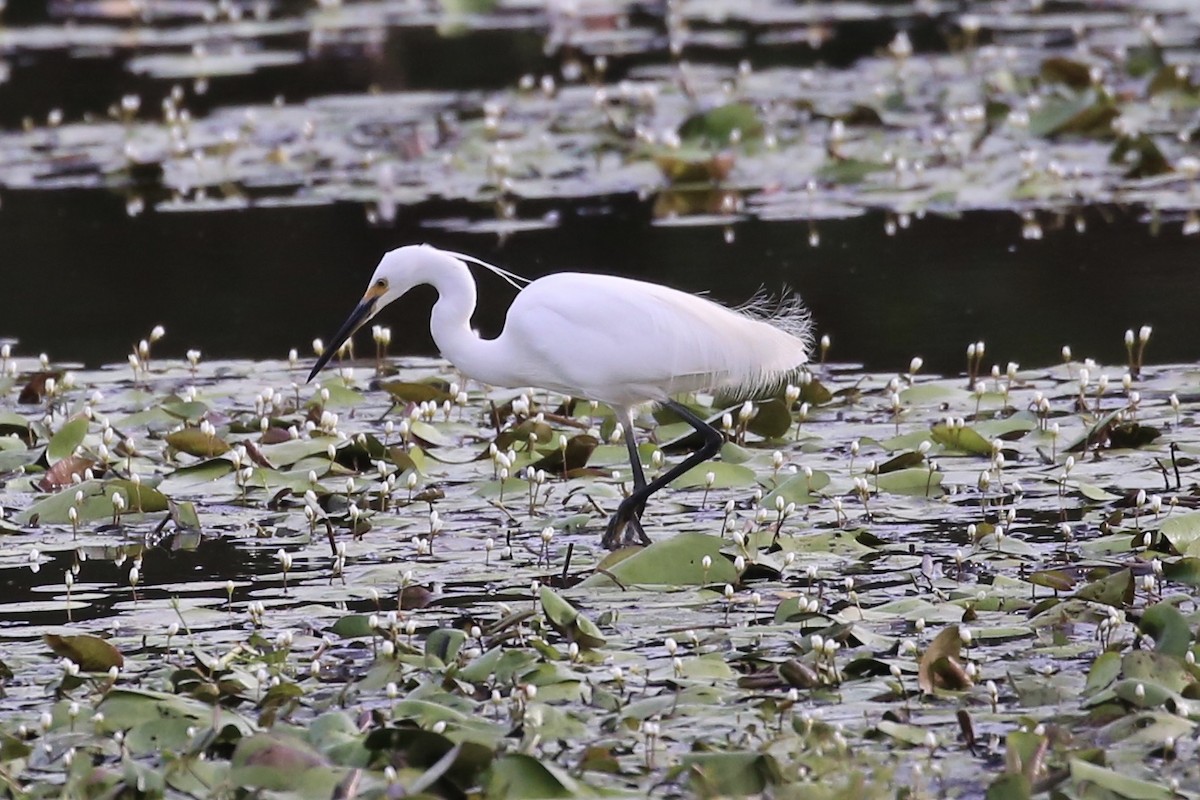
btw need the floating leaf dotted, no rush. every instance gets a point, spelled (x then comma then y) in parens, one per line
(195, 443)
(964, 439)
(65, 472)
(850, 170)
(919, 482)
(1010, 786)
(11, 422)
(902, 461)
(1105, 670)
(191, 412)
(720, 126)
(353, 626)
(1085, 114)
(519, 775)
(772, 419)
(1095, 493)
(724, 476)
(1170, 631)
(799, 489)
(911, 735)
(1183, 532)
(1068, 72)
(405, 392)
(90, 653)
(518, 436)
(677, 561)
(97, 502)
(443, 645)
(68, 437)
(567, 620)
(1183, 570)
(731, 774)
(1057, 579)
(1114, 590)
(1118, 783)
(940, 667)
(184, 515)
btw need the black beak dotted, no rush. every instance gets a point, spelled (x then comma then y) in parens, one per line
(358, 317)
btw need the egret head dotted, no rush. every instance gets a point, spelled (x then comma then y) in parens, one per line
(396, 274)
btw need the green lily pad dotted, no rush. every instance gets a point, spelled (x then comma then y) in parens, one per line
(195, 443)
(1113, 590)
(919, 482)
(567, 620)
(725, 476)
(677, 561)
(1183, 532)
(718, 126)
(799, 489)
(964, 440)
(1171, 632)
(90, 653)
(731, 774)
(66, 439)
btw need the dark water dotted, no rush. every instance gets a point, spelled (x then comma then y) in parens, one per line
(83, 281)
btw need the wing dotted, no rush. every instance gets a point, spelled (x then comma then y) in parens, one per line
(626, 342)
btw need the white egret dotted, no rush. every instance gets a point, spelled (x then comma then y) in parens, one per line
(615, 340)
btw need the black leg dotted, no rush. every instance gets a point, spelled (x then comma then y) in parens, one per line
(635, 459)
(624, 525)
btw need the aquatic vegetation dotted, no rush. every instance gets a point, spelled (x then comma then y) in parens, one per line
(1014, 108)
(221, 576)
(222, 580)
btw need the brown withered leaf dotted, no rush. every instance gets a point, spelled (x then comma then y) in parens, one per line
(63, 471)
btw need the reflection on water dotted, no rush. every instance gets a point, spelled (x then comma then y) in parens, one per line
(83, 280)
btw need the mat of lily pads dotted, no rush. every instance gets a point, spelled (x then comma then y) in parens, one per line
(221, 581)
(721, 111)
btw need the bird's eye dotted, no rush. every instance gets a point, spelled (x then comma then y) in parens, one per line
(381, 283)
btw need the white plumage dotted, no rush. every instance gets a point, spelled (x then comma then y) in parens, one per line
(619, 341)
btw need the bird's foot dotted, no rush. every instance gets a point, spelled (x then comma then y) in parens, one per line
(624, 529)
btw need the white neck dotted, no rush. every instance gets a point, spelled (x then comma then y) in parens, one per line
(450, 320)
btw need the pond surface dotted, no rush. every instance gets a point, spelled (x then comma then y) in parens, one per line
(894, 580)
(228, 290)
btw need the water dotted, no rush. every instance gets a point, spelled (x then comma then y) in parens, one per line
(83, 280)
